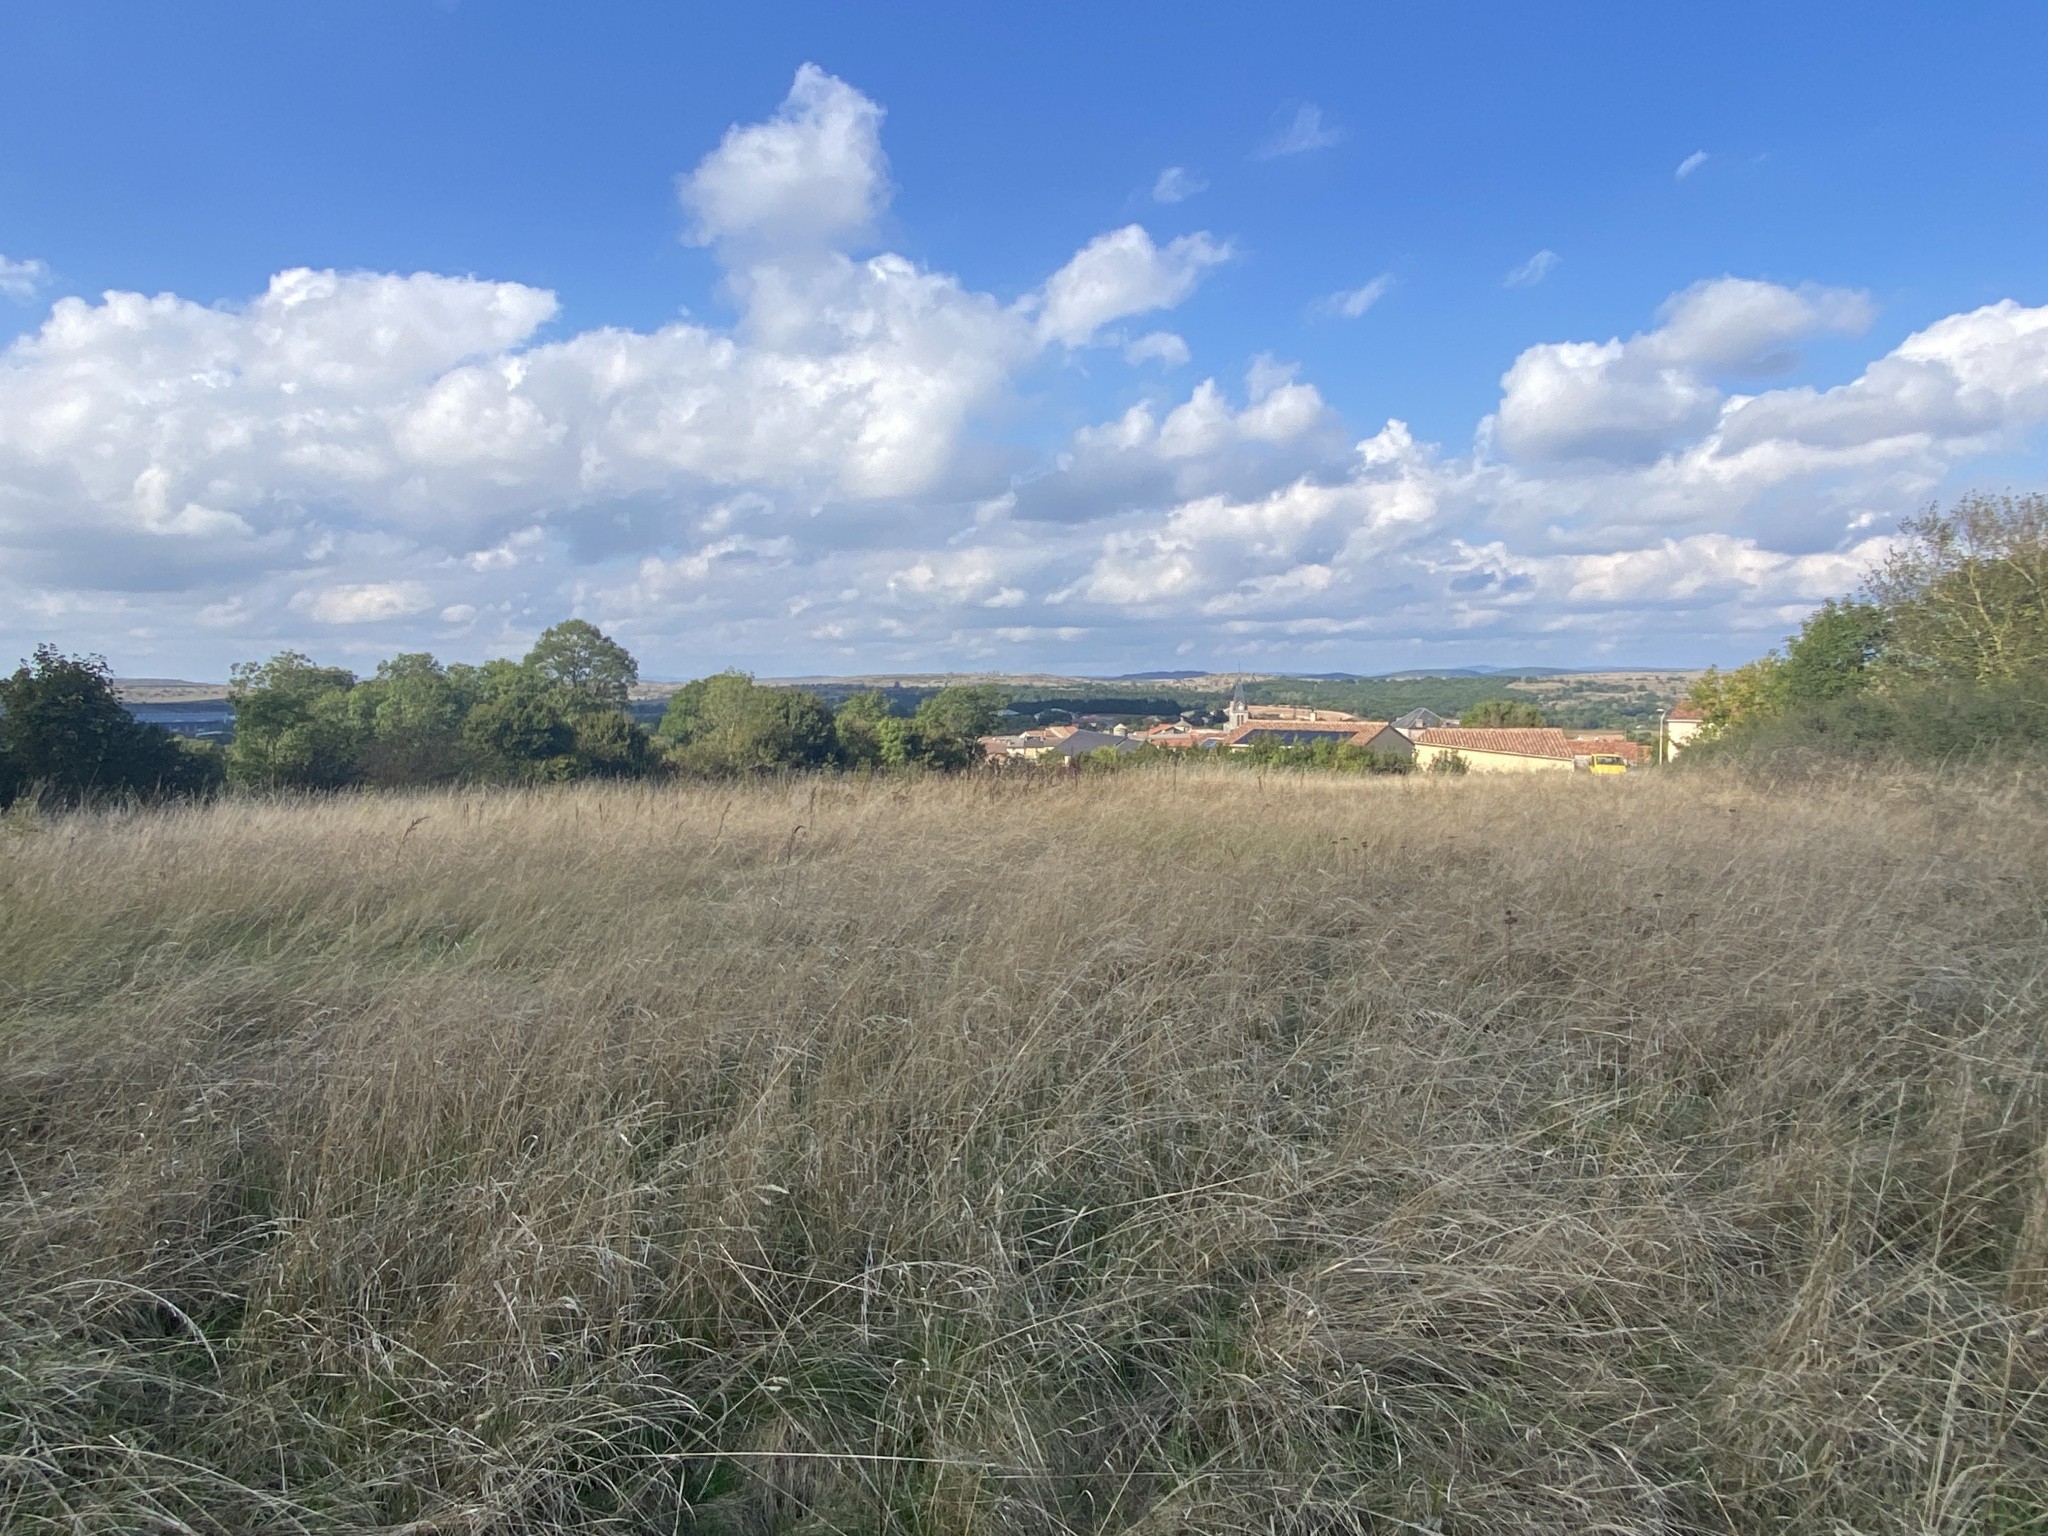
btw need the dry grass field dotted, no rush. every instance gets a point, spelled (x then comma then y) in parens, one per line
(1149, 1153)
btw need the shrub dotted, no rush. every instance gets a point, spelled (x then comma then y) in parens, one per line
(729, 724)
(1503, 712)
(66, 737)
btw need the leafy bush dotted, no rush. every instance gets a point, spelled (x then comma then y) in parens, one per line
(557, 715)
(1943, 655)
(729, 724)
(1944, 720)
(65, 737)
(1330, 756)
(1503, 712)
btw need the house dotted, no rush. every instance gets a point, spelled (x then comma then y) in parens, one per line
(1025, 744)
(1242, 713)
(1421, 720)
(1054, 741)
(1381, 737)
(1500, 749)
(1079, 743)
(1373, 735)
(1680, 726)
(1177, 733)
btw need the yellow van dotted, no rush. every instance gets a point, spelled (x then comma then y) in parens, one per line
(1606, 762)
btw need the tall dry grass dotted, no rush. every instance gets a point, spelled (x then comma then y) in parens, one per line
(1151, 1153)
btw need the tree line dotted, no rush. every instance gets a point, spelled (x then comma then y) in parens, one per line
(1943, 651)
(558, 714)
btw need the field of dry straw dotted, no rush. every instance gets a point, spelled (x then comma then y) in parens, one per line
(1146, 1153)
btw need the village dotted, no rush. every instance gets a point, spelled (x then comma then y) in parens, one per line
(1422, 737)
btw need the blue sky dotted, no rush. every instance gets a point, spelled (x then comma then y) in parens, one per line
(1059, 337)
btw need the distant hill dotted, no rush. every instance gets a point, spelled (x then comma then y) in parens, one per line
(1608, 697)
(165, 690)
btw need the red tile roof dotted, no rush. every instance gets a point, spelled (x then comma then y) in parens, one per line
(1520, 741)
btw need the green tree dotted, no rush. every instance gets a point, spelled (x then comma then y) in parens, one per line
(730, 724)
(963, 711)
(1833, 653)
(609, 744)
(410, 720)
(856, 727)
(1945, 653)
(946, 732)
(1753, 691)
(521, 729)
(294, 725)
(1503, 712)
(64, 734)
(590, 668)
(902, 743)
(1966, 592)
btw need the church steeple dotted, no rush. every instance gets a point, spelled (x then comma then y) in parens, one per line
(1239, 711)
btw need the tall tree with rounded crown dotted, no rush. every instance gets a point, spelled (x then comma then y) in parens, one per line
(578, 658)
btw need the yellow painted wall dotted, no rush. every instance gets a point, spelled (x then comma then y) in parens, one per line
(1492, 762)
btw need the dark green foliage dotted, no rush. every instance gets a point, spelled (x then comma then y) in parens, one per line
(547, 719)
(410, 716)
(729, 724)
(580, 661)
(608, 745)
(65, 736)
(1382, 698)
(1834, 651)
(961, 713)
(1137, 706)
(1503, 712)
(913, 743)
(1945, 655)
(521, 731)
(294, 725)
(1966, 591)
(857, 729)
(1938, 719)
(1329, 756)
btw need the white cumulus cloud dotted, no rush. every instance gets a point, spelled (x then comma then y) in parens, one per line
(369, 602)
(364, 461)
(813, 172)
(22, 280)
(1119, 274)
(1635, 399)
(1162, 347)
